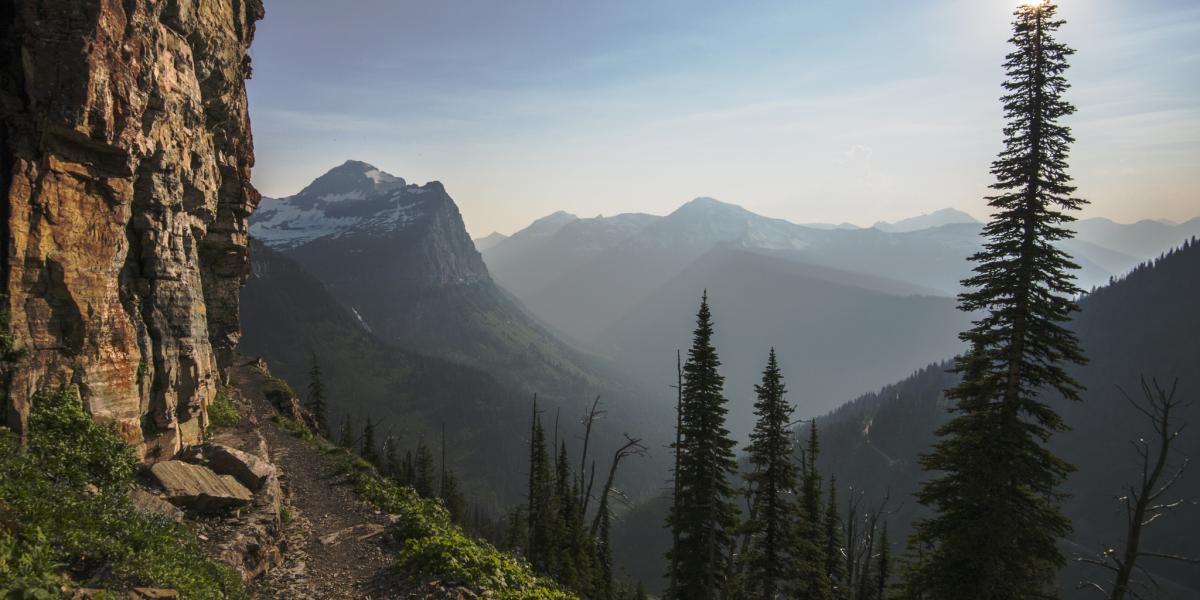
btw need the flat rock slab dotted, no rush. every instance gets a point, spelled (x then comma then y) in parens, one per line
(250, 470)
(361, 532)
(150, 504)
(199, 488)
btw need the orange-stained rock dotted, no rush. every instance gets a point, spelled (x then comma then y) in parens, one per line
(125, 157)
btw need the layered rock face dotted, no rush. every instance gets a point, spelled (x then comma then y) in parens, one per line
(125, 157)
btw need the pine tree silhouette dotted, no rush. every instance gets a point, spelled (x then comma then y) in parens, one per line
(996, 524)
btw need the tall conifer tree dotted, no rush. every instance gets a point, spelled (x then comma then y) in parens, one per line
(346, 436)
(835, 558)
(540, 510)
(997, 522)
(391, 457)
(768, 558)
(316, 397)
(424, 471)
(565, 524)
(604, 567)
(704, 517)
(883, 566)
(811, 540)
(370, 452)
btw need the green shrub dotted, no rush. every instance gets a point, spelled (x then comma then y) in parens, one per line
(53, 522)
(221, 411)
(277, 385)
(73, 449)
(294, 427)
(9, 350)
(435, 547)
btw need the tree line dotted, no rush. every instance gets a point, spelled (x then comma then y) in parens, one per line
(790, 538)
(415, 467)
(558, 530)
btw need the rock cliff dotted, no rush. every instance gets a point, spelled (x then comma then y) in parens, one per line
(125, 157)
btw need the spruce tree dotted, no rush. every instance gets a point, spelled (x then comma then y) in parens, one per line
(883, 566)
(835, 559)
(540, 509)
(408, 470)
(452, 498)
(811, 552)
(316, 397)
(346, 437)
(603, 577)
(516, 532)
(705, 517)
(369, 450)
(767, 565)
(565, 524)
(996, 524)
(391, 457)
(424, 471)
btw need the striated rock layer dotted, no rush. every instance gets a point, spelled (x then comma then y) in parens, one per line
(125, 156)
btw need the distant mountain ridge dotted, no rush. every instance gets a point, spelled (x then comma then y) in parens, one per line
(837, 333)
(945, 216)
(399, 257)
(489, 240)
(417, 285)
(591, 278)
(549, 265)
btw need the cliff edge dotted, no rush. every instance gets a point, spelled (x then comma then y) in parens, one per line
(125, 157)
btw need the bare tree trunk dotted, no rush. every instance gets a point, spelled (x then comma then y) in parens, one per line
(588, 495)
(588, 420)
(632, 446)
(1142, 501)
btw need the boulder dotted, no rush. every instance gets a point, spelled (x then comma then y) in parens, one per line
(199, 488)
(250, 470)
(151, 504)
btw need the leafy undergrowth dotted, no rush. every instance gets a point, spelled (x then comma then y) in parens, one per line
(65, 515)
(434, 546)
(222, 412)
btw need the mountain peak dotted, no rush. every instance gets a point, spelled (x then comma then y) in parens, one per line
(547, 225)
(489, 240)
(353, 179)
(937, 218)
(706, 206)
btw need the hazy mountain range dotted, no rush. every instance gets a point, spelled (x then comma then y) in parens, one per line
(379, 279)
(848, 308)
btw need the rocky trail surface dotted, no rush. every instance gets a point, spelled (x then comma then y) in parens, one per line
(335, 545)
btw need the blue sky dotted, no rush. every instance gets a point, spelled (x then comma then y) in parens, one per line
(816, 111)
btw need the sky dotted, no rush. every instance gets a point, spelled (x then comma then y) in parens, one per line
(817, 111)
